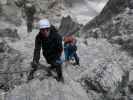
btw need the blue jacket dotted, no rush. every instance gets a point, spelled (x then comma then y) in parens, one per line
(69, 50)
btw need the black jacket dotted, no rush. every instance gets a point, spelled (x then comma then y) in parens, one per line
(51, 47)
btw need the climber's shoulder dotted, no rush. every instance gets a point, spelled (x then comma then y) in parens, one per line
(54, 32)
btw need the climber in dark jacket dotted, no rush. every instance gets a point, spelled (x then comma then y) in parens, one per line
(50, 42)
(30, 11)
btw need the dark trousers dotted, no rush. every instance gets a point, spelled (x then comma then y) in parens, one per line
(76, 58)
(58, 69)
(70, 52)
(29, 24)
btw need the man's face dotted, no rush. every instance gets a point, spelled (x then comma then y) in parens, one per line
(45, 32)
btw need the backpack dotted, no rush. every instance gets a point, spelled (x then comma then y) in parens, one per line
(69, 39)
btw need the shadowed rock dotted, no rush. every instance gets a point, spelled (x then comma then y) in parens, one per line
(11, 33)
(68, 26)
(10, 61)
(112, 8)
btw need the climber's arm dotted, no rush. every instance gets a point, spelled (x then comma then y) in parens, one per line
(37, 50)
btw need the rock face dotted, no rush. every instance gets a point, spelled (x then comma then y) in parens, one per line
(118, 30)
(98, 80)
(48, 90)
(99, 74)
(13, 11)
(10, 12)
(52, 9)
(11, 60)
(84, 10)
(68, 26)
(112, 8)
(104, 71)
(9, 33)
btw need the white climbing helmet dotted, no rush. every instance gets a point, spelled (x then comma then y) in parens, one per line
(44, 23)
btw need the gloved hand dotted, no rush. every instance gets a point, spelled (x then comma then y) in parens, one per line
(34, 68)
